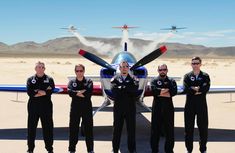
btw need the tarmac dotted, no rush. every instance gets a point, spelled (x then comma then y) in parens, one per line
(13, 122)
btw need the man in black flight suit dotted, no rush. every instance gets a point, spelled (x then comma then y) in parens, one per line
(196, 86)
(39, 88)
(163, 89)
(124, 87)
(80, 90)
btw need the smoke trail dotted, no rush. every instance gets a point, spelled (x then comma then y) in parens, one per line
(125, 38)
(153, 45)
(101, 47)
(110, 50)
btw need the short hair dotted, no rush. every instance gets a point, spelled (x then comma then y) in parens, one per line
(197, 58)
(124, 61)
(79, 65)
(162, 65)
(39, 63)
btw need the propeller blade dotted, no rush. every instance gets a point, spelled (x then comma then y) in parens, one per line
(150, 57)
(95, 59)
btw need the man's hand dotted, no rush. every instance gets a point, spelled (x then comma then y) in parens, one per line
(49, 88)
(196, 88)
(165, 92)
(40, 93)
(198, 93)
(121, 87)
(80, 93)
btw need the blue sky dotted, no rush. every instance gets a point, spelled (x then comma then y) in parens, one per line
(209, 22)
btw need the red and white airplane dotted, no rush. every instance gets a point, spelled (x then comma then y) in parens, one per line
(108, 70)
(125, 27)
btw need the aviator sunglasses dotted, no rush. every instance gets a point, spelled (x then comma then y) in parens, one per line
(162, 69)
(78, 70)
(196, 63)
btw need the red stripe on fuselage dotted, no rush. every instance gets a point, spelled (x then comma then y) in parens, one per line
(97, 90)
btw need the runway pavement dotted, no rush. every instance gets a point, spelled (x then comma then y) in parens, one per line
(13, 118)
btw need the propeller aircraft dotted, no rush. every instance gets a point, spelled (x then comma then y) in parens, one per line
(70, 28)
(125, 27)
(107, 71)
(174, 28)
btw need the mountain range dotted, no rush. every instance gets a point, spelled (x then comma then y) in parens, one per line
(70, 46)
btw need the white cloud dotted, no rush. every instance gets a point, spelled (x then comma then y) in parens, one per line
(213, 34)
(208, 38)
(219, 33)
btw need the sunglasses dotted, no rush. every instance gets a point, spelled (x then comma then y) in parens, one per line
(195, 63)
(79, 71)
(124, 66)
(41, 67)
(162, 69)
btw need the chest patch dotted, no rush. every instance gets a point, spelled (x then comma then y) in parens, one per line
(159, 82)
(192, 78)
(74, 84)
(199, 79)
(33, 81)
(46, 81)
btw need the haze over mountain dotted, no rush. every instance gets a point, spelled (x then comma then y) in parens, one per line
(110, 46)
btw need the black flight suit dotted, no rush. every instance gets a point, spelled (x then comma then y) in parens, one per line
(124, 91)
(40, 107)
(162, 113)
(81, 107)
(196, 105)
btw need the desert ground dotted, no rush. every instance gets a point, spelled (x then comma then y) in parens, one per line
(13, 114)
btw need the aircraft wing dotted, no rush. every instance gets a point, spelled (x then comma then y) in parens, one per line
(97, 89)
(22, 88)
(166, 29)
(181, 28)
(59, 89)
(213, 90)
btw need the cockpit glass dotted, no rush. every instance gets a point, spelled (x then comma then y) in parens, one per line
(124, 56)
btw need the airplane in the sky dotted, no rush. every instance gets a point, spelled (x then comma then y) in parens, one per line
(102, 88)
(125, 27)
(174, 28)
(70, 28)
